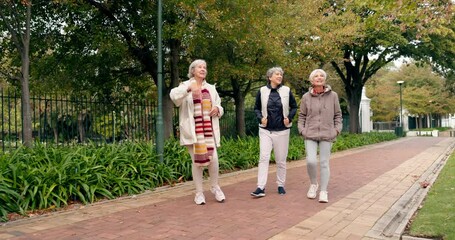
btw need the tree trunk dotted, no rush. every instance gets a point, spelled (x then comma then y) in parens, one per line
(168, 105)
(26, 110)
(168, 114)
(239, 101)
(354, 98)
(25, 95)
(82, 125)
(354, 123)
(240, 114)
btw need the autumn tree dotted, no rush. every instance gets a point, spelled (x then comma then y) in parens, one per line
(424, 93)
(241, 40)
(377, 33)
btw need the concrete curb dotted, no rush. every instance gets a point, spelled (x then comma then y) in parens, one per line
(394, 222)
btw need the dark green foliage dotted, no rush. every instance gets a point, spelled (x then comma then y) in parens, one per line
(347, 141)
(178, 158)
(47, 177)
(296, 149)
(238, 153)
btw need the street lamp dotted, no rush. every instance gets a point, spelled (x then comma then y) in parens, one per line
(401, 103)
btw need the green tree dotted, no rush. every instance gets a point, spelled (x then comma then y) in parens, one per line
(241, 40)
(377, 33)
(424, 93)
(109, 49)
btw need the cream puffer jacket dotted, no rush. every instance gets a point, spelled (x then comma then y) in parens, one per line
(320, 115)
(184, 100)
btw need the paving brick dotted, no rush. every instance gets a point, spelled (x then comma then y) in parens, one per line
(364, 184)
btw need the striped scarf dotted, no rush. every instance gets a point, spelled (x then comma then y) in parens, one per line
(203, 148)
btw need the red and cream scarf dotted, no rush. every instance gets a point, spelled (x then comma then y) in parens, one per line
(203, 148)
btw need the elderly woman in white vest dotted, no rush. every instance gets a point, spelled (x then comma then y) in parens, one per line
(199, 112)
(275, 108)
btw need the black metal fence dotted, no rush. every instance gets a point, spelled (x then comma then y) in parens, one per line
(385, 126)
(69, 120)
(66, 120)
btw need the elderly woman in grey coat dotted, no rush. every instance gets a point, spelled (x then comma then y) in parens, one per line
(320, 122)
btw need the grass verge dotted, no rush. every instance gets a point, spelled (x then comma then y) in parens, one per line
(436, 219)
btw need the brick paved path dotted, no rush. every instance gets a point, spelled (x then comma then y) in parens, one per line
(170, 213)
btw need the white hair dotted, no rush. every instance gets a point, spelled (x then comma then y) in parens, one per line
(193, 65)
(271, 71)
(314, 72)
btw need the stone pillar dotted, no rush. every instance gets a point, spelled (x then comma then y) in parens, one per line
(365, 113)
(405, 120)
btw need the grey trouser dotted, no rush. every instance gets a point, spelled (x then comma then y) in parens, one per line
(311, 149)
(279, 142)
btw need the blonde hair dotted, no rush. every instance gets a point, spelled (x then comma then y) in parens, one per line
(314, 72)
(193, 65)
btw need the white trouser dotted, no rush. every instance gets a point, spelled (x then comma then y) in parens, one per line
(279, 142)
(198, 172)
(311, 149)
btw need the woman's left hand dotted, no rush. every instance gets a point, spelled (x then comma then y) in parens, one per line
(214, 112)
(286, 121)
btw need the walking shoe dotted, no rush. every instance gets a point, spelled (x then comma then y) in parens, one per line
(258, 193)
(219, 195)
(323, 197)
(281, 191)
(199, 199)
(312, 191)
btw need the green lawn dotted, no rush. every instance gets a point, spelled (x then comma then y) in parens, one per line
(436, 219)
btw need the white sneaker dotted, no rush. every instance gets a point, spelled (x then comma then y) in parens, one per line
(219, 195)
(323, 197)
(312, 192)
(199, 199)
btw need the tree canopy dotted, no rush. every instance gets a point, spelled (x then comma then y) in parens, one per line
(423, 90)
(370, 34)
(109, 48)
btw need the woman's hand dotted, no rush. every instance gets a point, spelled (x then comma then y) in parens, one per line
(193, 87)
(264, 121)
(286, 121)
(214, 112)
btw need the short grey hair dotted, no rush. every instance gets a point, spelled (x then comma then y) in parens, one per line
(193, 65)
(272, 70)
(314, 72)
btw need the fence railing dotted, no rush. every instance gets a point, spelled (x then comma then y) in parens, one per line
(69, 120)
(66, 120)
(385, 126)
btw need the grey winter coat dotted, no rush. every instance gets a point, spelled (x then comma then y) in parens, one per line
(320, 115)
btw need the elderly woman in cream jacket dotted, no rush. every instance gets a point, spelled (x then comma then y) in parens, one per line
(199, 112)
